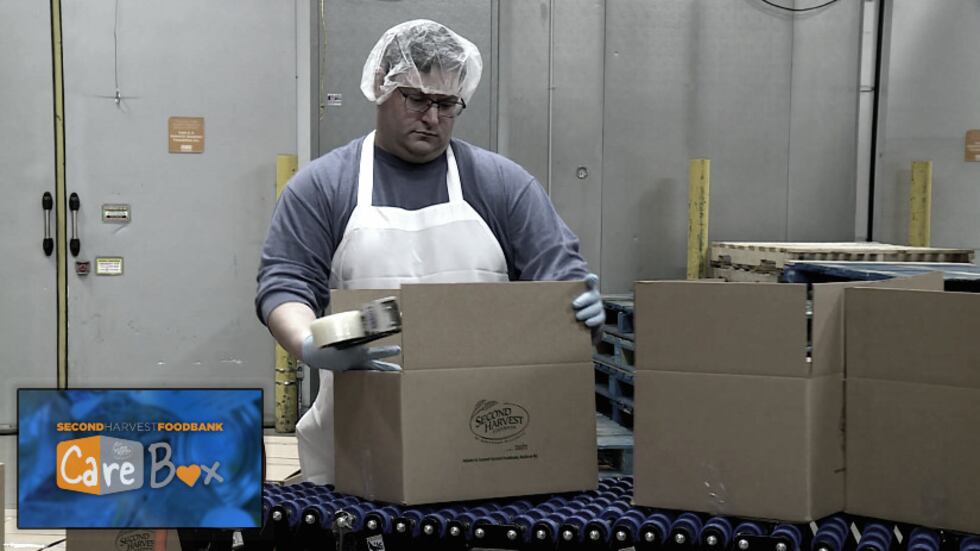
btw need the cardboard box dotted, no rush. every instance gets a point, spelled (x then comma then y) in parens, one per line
(913, 407)
(496, 397)
(281, 458)
(118, 540)
(731, 417)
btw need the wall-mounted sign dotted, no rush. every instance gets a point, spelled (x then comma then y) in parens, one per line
(108, 265)
(972, 146)
(186, 134)
(115, 214)
(335, 100)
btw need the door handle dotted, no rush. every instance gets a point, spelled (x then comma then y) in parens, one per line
(47, 203)
(74, 244)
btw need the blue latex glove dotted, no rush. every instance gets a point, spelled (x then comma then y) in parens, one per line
(588, 305)
(352, 358)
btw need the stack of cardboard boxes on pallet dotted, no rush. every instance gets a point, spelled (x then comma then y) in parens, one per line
(764, 262)
(741, 400)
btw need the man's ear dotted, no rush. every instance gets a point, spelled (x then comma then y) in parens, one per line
(379, 80)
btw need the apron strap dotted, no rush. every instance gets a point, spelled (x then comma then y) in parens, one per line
(365, 174)
(452, 177)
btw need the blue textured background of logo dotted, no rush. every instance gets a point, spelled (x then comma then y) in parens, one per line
(234, 503)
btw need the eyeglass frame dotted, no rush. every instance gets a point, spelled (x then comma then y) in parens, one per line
(417, 96)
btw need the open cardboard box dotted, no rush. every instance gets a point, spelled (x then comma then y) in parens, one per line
(731, 416)
(913, 407)
(496, 397)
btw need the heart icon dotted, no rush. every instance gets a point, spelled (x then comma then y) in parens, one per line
(189, 475)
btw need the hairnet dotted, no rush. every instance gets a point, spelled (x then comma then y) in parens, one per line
(451, 64)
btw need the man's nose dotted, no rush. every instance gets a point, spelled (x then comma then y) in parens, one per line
(431, 114)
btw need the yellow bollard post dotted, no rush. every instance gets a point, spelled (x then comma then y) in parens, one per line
(287, 389)
(920, 204)
(697, 222)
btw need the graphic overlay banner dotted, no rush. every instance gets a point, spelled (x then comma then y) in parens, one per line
(149, 458)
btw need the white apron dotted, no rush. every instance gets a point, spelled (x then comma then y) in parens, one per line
(384, 247)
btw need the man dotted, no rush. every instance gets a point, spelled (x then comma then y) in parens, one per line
(405, 204)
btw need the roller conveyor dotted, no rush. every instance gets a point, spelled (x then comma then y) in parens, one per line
(305, 516)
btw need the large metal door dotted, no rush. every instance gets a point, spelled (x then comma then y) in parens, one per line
(769, 97)
(180, 311)
(28, 311)
(930, 99)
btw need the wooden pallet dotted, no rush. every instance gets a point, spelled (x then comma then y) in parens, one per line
(619, 315)
(748, 261)
(615, 351)
(614, 393)
(614, 445)
(614, 359)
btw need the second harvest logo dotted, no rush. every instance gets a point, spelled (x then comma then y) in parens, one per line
(496, 422)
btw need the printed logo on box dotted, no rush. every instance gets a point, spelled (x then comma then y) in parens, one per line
(375, 543)
(495, 422)
(134, 540)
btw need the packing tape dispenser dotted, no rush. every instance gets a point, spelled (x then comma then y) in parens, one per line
(376, 319)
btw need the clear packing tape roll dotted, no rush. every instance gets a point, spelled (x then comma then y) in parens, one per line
(338, 328)
(376, 319)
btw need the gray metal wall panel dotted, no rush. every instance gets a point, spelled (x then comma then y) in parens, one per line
(577, 121)
(702, 79)
(8, 456)
(182, 314)
(523, 99)
(350, 28)
(28, 304)
(823, 136)
(933, 98)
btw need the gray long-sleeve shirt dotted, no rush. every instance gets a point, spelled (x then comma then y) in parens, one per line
(310, 217)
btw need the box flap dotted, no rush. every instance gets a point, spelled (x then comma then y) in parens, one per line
(492, 324)
(915, 336)
(721, 327)
(828, 315)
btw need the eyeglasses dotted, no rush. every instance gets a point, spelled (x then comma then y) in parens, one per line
(447, 108)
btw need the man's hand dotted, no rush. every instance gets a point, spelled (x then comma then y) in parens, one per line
(358, 357)
(588, 306)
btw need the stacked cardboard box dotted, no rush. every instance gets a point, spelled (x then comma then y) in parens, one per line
(740, 398)
(913, 407)
(121, 540)
(496, 397)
